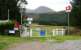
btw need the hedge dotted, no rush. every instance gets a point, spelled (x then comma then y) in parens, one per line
(4, 27)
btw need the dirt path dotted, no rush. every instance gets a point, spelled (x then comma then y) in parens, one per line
(36, 45)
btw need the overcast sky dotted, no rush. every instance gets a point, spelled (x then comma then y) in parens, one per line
(56, 5)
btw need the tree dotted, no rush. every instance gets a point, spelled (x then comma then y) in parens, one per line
(20, 5)
(12, 6)
(75, 16)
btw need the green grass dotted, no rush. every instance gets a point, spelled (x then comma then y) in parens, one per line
(64, 38)
(54, 38)
(5, 41)
(31, 39)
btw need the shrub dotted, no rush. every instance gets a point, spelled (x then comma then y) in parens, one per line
(4, 27)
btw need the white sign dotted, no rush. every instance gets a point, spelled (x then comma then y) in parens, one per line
(68, 8)
(29, 19)
(15, 28)
(12, 31)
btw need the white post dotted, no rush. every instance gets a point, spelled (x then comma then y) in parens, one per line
(68, 23)
(53, 32)
(62, 31)
(30, 32)
(21, 23)
(56, 31)
(8, 14)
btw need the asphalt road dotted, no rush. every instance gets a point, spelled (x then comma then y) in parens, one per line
(48, 45)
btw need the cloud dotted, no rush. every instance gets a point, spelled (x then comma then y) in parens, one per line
(53, 4)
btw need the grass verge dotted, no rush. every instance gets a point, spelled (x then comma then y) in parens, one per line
(64, 38)
(5, 41)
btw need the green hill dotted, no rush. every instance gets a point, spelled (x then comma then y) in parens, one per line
(58, 18)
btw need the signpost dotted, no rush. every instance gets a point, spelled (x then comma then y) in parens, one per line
(68, 10)
(21, 11)
(29, 24)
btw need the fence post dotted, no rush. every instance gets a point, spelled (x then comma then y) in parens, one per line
(56, 31)
(30, 32)
(53, 32)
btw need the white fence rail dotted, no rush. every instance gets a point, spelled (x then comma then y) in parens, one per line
(58, 31)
